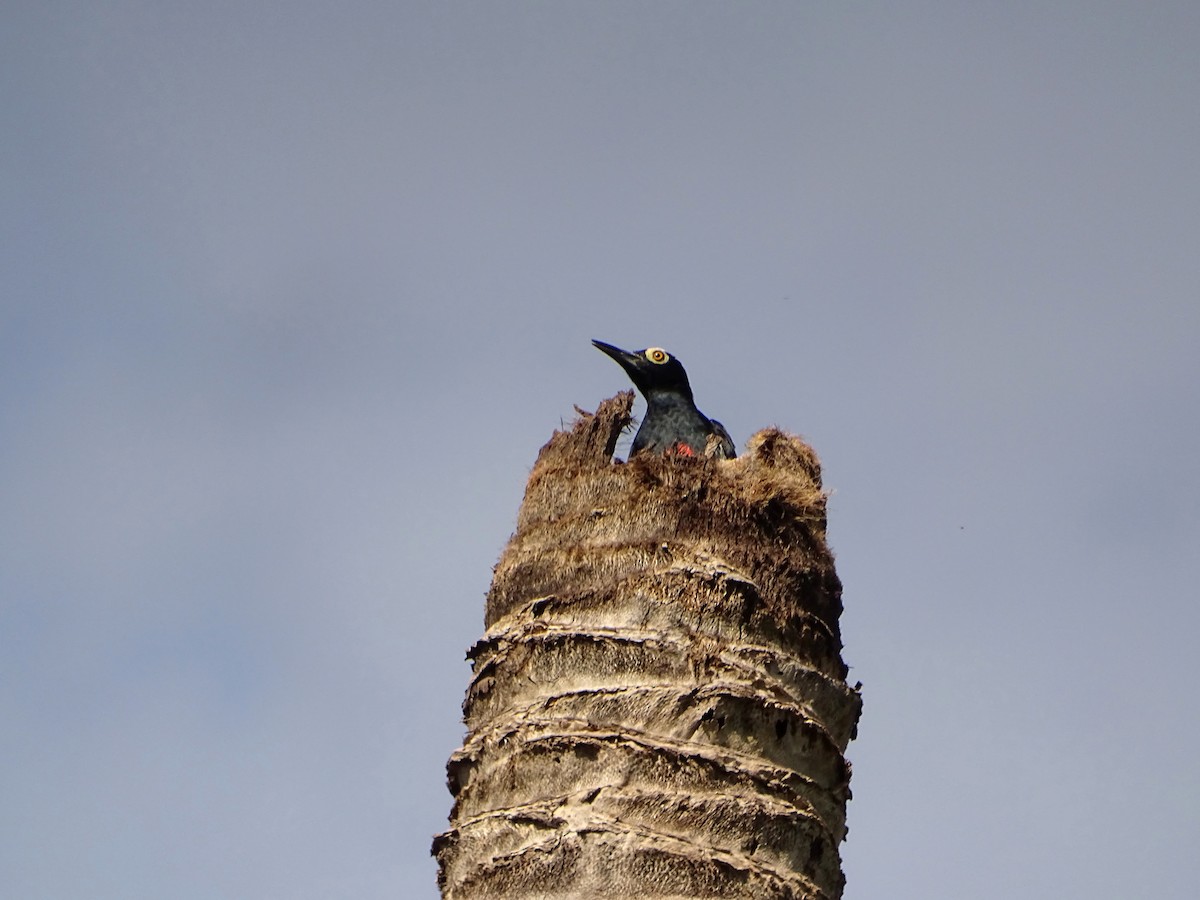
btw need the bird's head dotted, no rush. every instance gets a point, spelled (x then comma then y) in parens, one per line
(652, 370)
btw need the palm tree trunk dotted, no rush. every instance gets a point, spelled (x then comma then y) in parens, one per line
(659, 705)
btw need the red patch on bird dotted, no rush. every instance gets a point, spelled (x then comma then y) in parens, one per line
(682, 449)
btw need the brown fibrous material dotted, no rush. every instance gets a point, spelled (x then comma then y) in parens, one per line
(659, 705)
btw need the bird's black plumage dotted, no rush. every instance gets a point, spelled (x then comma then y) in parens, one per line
(672, 423)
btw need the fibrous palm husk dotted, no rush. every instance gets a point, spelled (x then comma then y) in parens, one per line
(659, 705)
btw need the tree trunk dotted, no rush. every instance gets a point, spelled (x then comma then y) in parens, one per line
(659, 706)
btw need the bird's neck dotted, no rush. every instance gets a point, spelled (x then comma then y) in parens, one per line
(669, 399)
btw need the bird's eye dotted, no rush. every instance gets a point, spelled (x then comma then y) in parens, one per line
(657, 355)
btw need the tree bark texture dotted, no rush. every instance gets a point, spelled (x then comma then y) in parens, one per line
(659, 706)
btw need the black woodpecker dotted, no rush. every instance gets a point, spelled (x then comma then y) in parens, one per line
(672, 423)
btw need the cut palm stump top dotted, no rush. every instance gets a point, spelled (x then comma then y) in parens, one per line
(659, 707)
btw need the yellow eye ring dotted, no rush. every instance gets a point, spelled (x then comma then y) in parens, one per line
(657, 355)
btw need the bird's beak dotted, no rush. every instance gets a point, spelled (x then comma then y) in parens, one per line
(630, 362)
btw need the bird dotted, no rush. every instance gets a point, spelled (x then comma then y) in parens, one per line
(672, 423)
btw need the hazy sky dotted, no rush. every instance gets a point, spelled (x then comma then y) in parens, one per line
(292, 293)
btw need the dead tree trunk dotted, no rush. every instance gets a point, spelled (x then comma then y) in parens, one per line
(659, 705)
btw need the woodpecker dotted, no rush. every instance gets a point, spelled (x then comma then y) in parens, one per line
(672, 423)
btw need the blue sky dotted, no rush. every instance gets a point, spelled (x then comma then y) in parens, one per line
(291, 295)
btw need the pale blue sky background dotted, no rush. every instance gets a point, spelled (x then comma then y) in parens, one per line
(291, 294)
